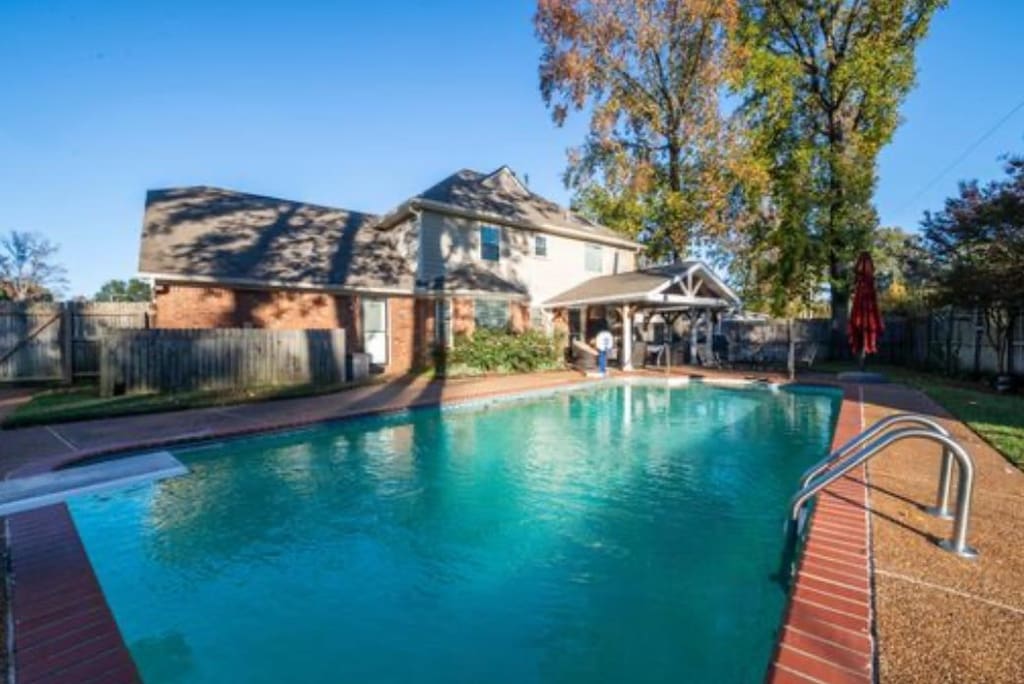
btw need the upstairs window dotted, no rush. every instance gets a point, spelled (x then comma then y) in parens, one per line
(593, 258)
(491, 314)
(540, 245)
(490, 243)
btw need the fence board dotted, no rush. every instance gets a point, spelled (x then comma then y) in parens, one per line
(30, 342)
(166, 360)
(941, 340)
(50, 341)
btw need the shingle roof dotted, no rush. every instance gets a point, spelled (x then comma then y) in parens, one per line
(502, 194)
(233, 236)
(621, 285)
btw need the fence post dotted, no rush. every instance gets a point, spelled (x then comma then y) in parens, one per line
(67, 335)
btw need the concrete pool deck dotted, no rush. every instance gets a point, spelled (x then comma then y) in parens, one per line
(933, 617)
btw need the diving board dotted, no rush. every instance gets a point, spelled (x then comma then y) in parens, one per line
(36, 491)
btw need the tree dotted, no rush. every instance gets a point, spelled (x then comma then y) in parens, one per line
(901, 270)
(977, 246)
(655, 163)
(822, 83)
(134, 290)
(28, 271)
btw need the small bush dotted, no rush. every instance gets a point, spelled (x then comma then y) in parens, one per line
(498, 351)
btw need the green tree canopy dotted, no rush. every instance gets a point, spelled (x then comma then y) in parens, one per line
(822, 81)
(134, 290)
(976, 245)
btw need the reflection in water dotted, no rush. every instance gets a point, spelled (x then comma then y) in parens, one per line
(623, 534)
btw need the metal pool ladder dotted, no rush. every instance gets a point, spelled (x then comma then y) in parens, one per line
(868, 444)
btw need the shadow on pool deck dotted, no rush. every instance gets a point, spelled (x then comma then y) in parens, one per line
(941, 618)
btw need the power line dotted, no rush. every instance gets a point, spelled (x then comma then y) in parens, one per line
(966, 153)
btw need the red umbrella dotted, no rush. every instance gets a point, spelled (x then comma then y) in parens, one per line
(865, 321)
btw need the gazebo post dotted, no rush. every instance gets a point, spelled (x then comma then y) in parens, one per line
(693, 336)
(627, 337)
(709, 342)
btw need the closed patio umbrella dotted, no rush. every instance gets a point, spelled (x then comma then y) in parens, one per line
(865, 323)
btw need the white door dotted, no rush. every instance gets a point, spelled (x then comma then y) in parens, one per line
(375, 329)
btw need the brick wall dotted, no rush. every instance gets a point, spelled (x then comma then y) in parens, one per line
(184, 306)
(411, 322)
(520, 316)
(463, 322)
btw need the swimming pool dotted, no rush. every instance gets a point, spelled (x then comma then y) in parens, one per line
(626, 533)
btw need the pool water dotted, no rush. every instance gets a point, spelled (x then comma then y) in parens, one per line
(624, 534)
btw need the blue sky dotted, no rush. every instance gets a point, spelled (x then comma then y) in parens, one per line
(360, 105)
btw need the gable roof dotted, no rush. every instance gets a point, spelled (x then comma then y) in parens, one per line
(696, 283)
(217, 235)
(500, 196)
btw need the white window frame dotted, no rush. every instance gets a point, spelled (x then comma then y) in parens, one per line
(589, 250)
(485, 229)
(539, 240)
(489, 302)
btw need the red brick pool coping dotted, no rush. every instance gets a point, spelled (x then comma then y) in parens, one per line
(61, 629)
(826, 634)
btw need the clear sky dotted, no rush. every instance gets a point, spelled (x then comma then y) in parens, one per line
(361, 105)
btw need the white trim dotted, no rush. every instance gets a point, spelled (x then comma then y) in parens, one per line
(482, 294)
(669, 300)
(510, 172)
(718, 282)
(167, 278)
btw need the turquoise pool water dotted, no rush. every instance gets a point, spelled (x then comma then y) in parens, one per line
(625, 534)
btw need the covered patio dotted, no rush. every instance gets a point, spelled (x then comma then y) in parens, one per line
(636, 301)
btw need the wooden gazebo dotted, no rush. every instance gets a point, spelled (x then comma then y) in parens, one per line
(684, 288)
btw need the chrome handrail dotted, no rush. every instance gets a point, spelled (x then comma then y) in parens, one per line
(941, 509)
(958, 542)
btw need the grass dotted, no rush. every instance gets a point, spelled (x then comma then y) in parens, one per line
(998, 418)
(85, 403)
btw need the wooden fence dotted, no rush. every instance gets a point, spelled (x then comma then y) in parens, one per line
(164, 360)
(768, 340)
(956, 341)
(950, 341)
(60, 342)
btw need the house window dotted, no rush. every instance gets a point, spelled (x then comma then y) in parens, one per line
(492, 314)
(537, 319)
(540, 245)
(490, 243)
(593, 258)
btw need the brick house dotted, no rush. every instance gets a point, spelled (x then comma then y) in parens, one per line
(475, 250)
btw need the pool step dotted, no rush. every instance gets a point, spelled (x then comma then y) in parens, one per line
(37, 491)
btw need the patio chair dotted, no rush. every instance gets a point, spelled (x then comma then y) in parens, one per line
(808, 354)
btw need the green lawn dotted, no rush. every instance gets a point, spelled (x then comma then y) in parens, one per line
(84, 403)
(999, 418)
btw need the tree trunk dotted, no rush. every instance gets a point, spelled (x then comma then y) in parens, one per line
(840, 308)
(979, 332)
(1010, 340)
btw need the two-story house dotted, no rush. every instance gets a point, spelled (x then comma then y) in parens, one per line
(475, 250)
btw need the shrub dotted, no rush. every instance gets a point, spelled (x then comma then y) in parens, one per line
(492, 350)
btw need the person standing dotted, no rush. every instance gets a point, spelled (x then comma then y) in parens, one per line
(604, 344)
